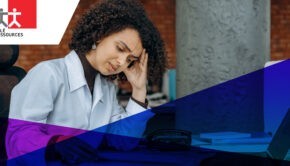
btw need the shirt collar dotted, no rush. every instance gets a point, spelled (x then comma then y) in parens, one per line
(76, 76)
(98, 89)
(75, 71)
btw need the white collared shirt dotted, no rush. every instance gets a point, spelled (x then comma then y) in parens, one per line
(56, 92)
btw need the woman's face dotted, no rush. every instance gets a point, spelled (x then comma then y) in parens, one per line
(116, 52)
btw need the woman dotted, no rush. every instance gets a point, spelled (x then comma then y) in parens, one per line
(114, 40)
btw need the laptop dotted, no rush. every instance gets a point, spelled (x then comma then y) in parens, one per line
(278, 147)
(280, 144)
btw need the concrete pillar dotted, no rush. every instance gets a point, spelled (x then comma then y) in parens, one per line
(217, 40)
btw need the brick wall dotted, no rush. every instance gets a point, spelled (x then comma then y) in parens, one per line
(280, 29)
(162, 13)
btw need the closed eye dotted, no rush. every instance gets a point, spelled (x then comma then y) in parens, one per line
(120, 49)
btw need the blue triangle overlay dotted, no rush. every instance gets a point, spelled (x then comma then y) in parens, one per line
(255, 102)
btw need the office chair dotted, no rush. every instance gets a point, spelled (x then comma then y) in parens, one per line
(9, 76)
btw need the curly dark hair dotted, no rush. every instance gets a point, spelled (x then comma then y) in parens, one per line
(111, 16)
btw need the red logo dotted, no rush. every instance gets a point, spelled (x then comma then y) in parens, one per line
(21, 14)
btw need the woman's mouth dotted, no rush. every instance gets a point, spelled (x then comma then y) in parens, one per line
(112, 68)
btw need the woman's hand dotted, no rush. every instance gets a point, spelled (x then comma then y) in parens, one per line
(137, 76)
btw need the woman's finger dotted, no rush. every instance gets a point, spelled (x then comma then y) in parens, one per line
(142, 58)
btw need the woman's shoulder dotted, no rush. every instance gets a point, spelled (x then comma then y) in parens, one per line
(49, 67)
(44, 74)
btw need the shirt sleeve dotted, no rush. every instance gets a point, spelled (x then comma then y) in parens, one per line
(144, 105)
(127, 125)
(31, 102)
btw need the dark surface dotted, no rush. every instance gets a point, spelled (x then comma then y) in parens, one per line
(194, 157)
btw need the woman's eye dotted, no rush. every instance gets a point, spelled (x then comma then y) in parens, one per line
(120, 49)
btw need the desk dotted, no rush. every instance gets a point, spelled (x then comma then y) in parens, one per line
(193, 157)
(144, 156)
